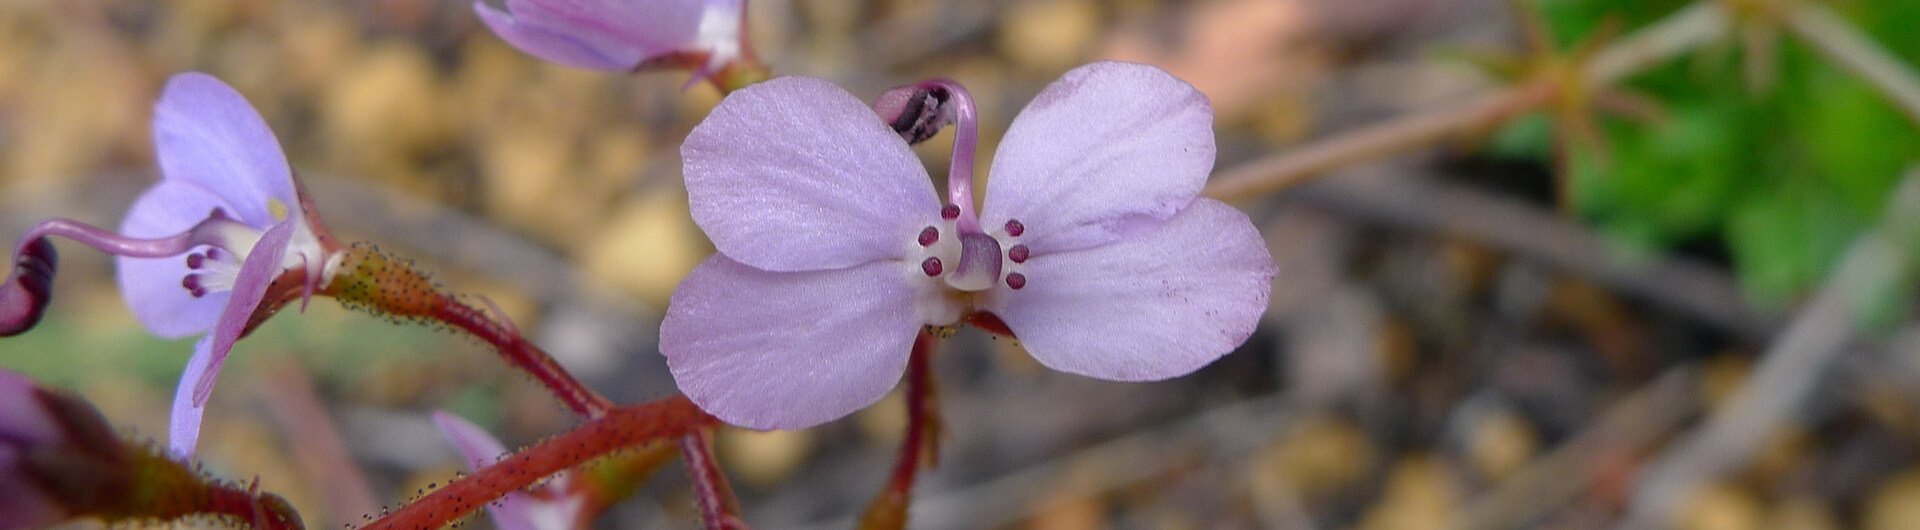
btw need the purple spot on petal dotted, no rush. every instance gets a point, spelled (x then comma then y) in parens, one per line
(1018, 253)
(929, 236)
(931, 266)
(950, 212)
(1014, 228)
(194, 261)
(1016, 280)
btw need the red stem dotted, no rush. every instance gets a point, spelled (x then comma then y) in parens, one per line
(718, 508)
(889, 509)
(618, 428)
(521, 354)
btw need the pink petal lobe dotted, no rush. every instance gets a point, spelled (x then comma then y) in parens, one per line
(795, 174)
(1154, 306)
(1108, 150)
(261, 265)
(183, 426)
(557, 43)
(481, 450)
(788, 350)
(151, 286)
(205, 134)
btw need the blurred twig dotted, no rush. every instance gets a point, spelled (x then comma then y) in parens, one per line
(1700, 23)
(1844, 44)
(1876, 264)
(1696, 289)
(314, 440)
(1636, 421)
(1229, 433)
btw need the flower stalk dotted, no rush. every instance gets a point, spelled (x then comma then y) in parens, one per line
(619, 428)
(920, 448)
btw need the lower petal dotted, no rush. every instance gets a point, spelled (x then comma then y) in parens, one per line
(249, 287)
(788, 350)
(1158, 305)
(183, 426)
(571, 49)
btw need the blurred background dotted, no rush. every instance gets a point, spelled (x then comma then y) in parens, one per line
(1537, 319)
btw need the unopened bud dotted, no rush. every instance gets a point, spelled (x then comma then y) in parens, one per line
(913, 111)
(29, 287)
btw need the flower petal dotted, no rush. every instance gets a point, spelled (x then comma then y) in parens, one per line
(256, 273)
(151, 286)
(205, 134)
(788, 350)
(481, 450)
(1154, 306)
(795, 174)
(1109, 150)
(183, 426)
(559, 44)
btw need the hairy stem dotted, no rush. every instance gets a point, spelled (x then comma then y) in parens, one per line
(375, 281)
(918, 449)
(718, 508)
(619, 428)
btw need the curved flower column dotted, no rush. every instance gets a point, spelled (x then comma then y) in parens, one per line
(224, 240)
(834, 249)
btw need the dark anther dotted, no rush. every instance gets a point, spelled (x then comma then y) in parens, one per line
(931, 266)
(1016, 280)
(24, 298)
(1014, 228)
(929, 236)
(195, 260)
(950, 212)
(915, 113)
(1018, 253)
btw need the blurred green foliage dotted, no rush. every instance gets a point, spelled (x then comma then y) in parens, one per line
(1783, 173)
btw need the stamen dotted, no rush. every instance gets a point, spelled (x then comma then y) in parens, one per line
(929, 236)
(950, 212)
(195, 260)
(1014, 228)
(1016, 280)
(979, 263)
(1018, 253)
(931, 266)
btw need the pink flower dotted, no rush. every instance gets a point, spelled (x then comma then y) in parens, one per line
(550, 507)
(623, 34)
(834, 249)
(205, 249)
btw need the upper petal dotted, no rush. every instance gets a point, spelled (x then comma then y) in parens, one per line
(788, 350)
(206, 135)
(151, 286)
(796, 174)
(1108, 150)
(1149, 307)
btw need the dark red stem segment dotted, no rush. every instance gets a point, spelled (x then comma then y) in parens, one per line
(920, 447)
(619, 428)
(380, 283)
(718, 508)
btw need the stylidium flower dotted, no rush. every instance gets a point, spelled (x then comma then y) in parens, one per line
(550, 507)
(224, 240)
(1092, 246)
(706, 35)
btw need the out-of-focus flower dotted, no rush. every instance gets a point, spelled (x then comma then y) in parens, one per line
(221, 243)
(552, 506)
(705, 35)
(1092, 247)
(58, 456)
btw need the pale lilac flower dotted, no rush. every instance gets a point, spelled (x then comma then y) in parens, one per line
(834, 248)
(550, 507)
(216, 246)
(623, 34)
